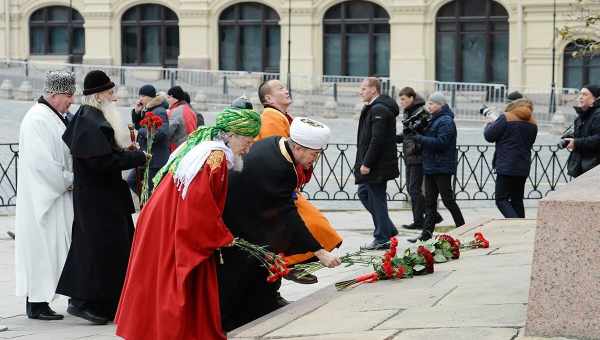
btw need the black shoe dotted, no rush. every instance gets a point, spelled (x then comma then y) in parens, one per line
(87, 314)
(281, 301)
(425, 235)
(42, 311)
(438, 218)
(300, 276)
(375, 246)
(412, 226)
(11, 234)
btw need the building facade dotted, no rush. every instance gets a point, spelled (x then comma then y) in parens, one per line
(477, 41)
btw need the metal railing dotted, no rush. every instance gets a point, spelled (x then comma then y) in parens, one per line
(475, 179)
(333, 178)
(335, 95)
(9, 155)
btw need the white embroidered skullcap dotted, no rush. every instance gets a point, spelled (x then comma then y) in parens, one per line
(309, 133)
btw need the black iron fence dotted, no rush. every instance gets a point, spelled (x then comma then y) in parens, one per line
(9, 154)
(333, 178)
(475, 178)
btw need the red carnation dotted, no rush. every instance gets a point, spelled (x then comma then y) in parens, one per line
(428, 256)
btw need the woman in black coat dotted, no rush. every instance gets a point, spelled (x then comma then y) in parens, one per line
(514, 133)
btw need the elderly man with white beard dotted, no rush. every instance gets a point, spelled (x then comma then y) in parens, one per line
(95, 269)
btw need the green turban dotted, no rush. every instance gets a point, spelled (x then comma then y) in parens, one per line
(241, 122)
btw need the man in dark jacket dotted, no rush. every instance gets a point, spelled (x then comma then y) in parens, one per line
(150, 102)
(585, 142)
(376, 158)
(439, 163)
(514, 133)
(413, 105)
(95, 268)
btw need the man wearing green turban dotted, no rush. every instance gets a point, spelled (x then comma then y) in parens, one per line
(171, 289)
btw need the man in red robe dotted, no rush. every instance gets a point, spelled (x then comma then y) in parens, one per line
(171, 289)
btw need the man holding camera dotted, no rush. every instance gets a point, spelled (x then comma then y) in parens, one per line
(439, 163)
(413, 106)
(584, 144)
(514, 133)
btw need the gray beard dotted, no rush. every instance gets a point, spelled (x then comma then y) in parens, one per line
(114, 118)
(238, 163)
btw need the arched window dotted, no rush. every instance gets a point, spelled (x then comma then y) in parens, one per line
(249, 38)
(150, 36)
(356, 40)
(580, 70)
(57, 30)
(472, 42)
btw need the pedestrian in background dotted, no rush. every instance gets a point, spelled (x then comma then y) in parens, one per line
(413, 105)
(514, 133)
(439, 163)
(150, 101)
(376, 158)
(584, 144)
(182, 119)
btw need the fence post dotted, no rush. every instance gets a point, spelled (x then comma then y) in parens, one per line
(225, 89)
(26, 68)
(122, 76)
(335, 92)
(172, 75)
(453, 99)
(393, 91)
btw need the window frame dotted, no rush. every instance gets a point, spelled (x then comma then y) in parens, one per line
(489, 32)
(585, 66)
(343, 22)
(45, 24)
(139, 24)
(265, 23)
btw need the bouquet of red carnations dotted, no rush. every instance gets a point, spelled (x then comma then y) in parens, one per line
(274, 263)
(152, 123)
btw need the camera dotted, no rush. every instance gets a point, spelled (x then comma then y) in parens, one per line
(562, 144)
(418, 121)
(488, 112)
(568, 133)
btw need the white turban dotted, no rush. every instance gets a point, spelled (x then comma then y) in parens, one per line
(309, 133)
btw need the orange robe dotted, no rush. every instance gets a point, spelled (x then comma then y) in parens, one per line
(276, 123)
(171, 289)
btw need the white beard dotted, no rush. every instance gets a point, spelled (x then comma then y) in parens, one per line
(238, 163)
(114, 118)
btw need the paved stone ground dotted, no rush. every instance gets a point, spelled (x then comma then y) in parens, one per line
(481, 296)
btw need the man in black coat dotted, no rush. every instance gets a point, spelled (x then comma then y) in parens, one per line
(376, 158)
(260, 208)
(148, 101)
(95, 269)
(585, 142)
(413, 105)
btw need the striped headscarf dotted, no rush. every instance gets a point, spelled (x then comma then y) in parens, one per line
(241, 122)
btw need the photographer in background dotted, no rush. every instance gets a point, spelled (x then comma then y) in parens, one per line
(514, 133)
(439, 163)
(413, 107)
(585, 143)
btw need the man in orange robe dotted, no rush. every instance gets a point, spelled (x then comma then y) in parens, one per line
(171, 289)
(275, 121)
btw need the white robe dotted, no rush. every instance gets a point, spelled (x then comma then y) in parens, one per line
(44, 213)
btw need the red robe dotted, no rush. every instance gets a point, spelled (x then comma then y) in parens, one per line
(171, 289)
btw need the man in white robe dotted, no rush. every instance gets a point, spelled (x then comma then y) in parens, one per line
(44, 213)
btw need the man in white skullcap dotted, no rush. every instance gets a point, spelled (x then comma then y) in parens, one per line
(260, 208)
(44, 214)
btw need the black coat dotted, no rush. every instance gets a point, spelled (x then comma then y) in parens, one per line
(439, 144)
(376, 141)
(514, 140)
(410, 148)
(261, 205)
(160, 143)
(586, 131)
(102, 227)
